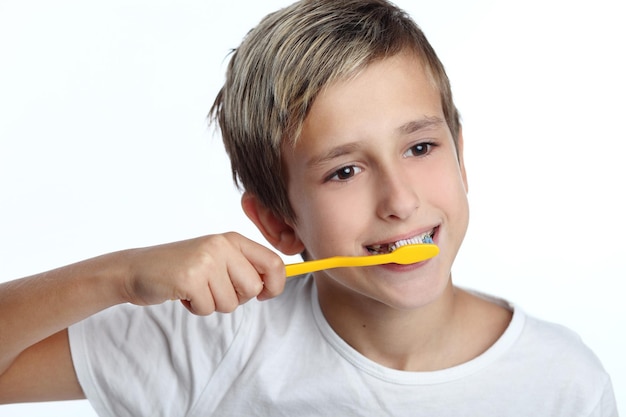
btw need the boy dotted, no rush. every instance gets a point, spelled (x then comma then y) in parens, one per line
(340, 125)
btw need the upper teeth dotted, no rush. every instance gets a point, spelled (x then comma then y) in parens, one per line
(390, 247)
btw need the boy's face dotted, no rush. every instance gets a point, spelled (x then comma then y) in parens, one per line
(375, 164)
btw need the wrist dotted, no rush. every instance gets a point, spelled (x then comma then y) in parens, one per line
(105, 278)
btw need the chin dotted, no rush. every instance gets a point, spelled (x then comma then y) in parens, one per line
(415, 294)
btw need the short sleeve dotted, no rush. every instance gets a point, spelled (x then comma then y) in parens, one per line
(606, 406)
(155, 361)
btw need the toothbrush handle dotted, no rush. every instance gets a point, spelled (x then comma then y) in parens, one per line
(301, 268)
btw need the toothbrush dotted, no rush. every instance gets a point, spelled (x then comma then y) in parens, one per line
(404, 255)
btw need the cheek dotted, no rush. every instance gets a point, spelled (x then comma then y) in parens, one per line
(458, 204)
(448, 189)
(326, 220)
(450, 192)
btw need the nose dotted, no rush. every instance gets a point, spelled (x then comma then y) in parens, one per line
(397, 195)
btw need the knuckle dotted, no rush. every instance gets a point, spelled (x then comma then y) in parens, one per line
(224, 239)
(216, 243)
(276, 263)
(231, 236)
(250, 289)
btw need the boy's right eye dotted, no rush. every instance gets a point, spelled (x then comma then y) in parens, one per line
(344, 173)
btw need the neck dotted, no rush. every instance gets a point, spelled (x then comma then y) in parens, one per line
(416, 340)
(452, 329)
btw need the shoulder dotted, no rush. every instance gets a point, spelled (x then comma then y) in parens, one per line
(541, 341)
(554, 360)
(290, 309)
(171, 323)
(125, 352)
(563, 358)
(538, 338)
(556, 342)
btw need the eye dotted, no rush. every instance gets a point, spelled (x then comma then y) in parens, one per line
(344, 173)
(419, 149)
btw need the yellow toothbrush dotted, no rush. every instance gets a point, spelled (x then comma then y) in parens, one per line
(404, 255)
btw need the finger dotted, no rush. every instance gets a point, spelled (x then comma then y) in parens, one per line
(270, 268)
(273, 281)
(198, 297)
(200, 304)
(223, 292)
(245, 279)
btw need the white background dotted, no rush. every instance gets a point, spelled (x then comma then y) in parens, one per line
(104, 143)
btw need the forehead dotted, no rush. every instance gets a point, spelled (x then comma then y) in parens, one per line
(383, 96)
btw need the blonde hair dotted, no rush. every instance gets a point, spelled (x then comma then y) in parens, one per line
(282, 64)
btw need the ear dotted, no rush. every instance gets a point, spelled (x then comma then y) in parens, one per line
(275, 229)
(459, 150)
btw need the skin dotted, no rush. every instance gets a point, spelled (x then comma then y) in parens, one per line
(376, 163)
(208, 274)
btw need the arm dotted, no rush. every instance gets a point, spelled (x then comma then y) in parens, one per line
(211, 273)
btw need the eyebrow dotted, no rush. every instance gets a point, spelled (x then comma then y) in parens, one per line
(333, 153)
(348, 148)
(421, 124)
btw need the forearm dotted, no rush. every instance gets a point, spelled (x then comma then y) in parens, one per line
(209, 273)
(36, 307)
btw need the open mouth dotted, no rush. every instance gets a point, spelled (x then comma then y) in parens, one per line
(383, 248)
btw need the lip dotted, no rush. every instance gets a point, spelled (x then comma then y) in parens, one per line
(404, 268)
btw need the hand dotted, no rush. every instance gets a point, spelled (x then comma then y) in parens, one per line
(208, 274)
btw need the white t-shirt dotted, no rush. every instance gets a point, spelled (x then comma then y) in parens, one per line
(281, 358)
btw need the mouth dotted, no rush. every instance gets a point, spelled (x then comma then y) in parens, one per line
(382, 248)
